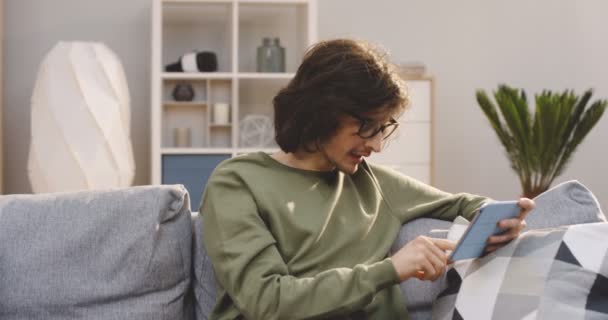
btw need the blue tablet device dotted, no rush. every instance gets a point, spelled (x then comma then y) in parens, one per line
(484, 225)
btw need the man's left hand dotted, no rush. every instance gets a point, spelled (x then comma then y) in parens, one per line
(512, 227)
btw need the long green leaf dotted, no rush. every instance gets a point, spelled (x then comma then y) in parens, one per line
(514, 122)
(564, 105)
(588, 121)
(576, 116)
(504, 136)
(490, 111)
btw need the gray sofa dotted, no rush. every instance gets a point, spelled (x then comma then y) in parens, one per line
(137, 253)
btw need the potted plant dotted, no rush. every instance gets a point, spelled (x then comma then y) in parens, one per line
(540, 145)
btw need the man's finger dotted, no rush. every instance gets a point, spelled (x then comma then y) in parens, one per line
(527, 205)
(436, 251)
(444, 244)
(427, 269)
(502, 238)
(509, 223)
(419, 274)
(490, 249)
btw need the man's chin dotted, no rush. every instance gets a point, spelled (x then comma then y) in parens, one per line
(352, 169)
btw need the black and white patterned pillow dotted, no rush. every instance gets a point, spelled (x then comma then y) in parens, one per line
(558, 273)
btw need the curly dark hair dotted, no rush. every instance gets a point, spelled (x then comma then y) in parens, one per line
(335, 77)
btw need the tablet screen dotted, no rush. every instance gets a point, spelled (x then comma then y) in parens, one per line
(485, 224)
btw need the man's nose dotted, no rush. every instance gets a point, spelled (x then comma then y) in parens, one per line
(375, 142)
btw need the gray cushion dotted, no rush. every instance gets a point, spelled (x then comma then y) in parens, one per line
(418, 294)
(117, 254)
(554, 207)
(203, 285)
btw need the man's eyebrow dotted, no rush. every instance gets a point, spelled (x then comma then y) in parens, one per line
(380, 120)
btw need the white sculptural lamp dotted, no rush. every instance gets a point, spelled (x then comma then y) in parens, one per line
(80, 121)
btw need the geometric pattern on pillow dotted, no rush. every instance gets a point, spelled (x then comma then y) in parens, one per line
(558, 273)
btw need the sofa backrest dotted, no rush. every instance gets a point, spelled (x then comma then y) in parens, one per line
(115, 254)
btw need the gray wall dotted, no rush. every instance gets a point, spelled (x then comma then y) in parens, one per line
(465, 44)
(32, 28)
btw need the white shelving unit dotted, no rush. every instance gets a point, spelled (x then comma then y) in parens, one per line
(411, 151)
(232, 29)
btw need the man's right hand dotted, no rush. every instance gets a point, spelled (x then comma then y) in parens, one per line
(423, 258)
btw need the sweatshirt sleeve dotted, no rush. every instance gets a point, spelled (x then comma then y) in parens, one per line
(250, 268)
(410, 198)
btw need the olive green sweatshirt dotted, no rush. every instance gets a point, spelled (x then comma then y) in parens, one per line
(288, 243)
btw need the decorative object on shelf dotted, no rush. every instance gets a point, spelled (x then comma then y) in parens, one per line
(412, 69)
(270, 56)
(256, 131)
(539, 146)
(183, 92)
(221, 113)
(80, 115)
(182, 137)
(204, 61)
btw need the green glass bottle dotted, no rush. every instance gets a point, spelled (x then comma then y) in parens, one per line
(270, 56)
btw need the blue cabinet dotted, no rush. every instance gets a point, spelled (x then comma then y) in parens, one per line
(192, 171)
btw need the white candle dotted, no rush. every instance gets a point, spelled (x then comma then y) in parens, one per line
(182, 138)
(221, 112)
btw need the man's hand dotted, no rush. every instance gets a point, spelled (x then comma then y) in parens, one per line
(423, 258)
(512, 227)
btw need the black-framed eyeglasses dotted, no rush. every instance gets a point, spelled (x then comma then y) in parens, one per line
(369, 128)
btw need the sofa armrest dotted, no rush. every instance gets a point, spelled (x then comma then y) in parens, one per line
(567, 203)
(419, 295)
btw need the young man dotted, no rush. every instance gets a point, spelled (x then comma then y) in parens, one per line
(305, 232)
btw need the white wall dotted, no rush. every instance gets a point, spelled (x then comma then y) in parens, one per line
(465, 44)
(478, 44)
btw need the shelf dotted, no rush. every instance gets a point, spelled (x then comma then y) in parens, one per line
(237, 1)
(196, 75)
(225, 75)
(189, 26)
(255, 96)
(184, 104)
(275, 19)
(265, 75)
(204, 151)
(196, 1)
(274, 1)
(250, 150)
(217, 125)
(196, 151)
(196, 13)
